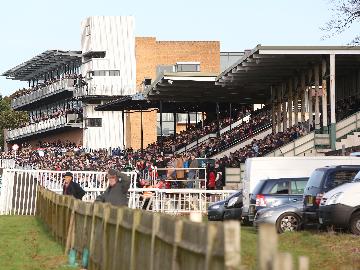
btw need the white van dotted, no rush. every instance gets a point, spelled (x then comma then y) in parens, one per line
(262, 168)
(340, 207)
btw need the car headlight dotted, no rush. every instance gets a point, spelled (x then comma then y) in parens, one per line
(334, 198)
(232, 201)
(216, 206)
(266, 214)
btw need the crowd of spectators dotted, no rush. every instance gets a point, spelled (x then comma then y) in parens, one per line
(26, 91)
(346, 107)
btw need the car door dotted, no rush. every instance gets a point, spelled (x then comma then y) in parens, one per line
(297, 187)
(278, 193)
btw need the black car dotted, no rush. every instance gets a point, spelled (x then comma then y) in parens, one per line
(275, 192)
(233, 207)
(216, 210)
(321, 181)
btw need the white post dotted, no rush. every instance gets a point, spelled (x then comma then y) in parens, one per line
(332, 102)
(317, 101)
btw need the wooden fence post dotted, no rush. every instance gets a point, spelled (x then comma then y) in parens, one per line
(136, 222)
(92, 234)
(211, 235)
(304, 263)
(267, 246)
(232, 245)
(119, 219)
(177, 239)
(106, 216)
(71, 230)
(154, 232)
(284, 261)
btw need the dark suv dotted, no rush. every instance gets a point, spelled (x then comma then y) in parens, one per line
(275, 192)
(321, 181)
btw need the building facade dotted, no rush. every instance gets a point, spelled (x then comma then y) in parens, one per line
(66, 86)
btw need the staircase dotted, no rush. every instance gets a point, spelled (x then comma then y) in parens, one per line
(353, 139)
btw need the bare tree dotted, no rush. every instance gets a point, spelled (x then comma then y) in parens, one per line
(346, 12)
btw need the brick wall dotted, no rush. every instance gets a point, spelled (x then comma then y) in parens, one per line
(149, 54)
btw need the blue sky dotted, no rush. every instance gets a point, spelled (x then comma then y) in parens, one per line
(29, 27)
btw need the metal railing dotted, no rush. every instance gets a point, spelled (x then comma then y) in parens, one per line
(46, 91)
(175, 201)
(45, 125)
(19, 187)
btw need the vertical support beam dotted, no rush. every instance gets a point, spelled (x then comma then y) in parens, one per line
(188, 120)
(273, 109)
(290, 104)
(283, 91)
(303, 93)
(317, 101)
(310, 99)
(141, 132)
(123, 128)
(230, 116)
(218, 118)
(174, 115)
(332, 102)
(278, 114)
(296, 101)
(161, 126)
(324, 96)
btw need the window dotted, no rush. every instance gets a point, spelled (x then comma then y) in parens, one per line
(87, 30)
(338, 178)
(298, 186)
(187, 67)
(316, 178)
(105, 73)
(94, 122)
(280, 187)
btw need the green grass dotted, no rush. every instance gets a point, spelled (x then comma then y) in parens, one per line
(26, 244)
(325, 250)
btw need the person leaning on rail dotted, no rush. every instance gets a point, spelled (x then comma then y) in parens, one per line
(116, 193)
(72, 188)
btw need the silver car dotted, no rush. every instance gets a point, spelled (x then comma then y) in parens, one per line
(287, 217)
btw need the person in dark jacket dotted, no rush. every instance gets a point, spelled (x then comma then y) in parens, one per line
(72, 188)
(116, 193)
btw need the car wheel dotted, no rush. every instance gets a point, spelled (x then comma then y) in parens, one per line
(288, 222)
(355, 223)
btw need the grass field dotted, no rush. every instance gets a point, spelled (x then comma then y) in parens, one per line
(25, 244)
(325, 250)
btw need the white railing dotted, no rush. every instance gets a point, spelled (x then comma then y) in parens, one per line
(19, 187)
(195, 179)
(195, 143)
(235, 124)
(348, 125)
(175, 201)
(52, 89)
(7, 163)
(49, 124)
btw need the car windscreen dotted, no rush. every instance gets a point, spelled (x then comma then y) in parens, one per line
(315, 179)
(357, 177)
(338, 178)
(259, 187)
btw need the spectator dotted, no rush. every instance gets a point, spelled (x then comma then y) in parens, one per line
(72, 188)
(116, 193)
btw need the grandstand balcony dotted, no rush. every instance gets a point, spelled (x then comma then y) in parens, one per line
(56, 90)
(69, 120)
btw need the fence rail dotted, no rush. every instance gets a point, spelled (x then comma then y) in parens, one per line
(121, 238)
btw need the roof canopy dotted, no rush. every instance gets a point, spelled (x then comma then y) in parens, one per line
(47, 61)
(139, 102)
(253, 74)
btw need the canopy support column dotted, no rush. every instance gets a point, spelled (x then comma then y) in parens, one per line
(123, 128)
(161, 125)
(290, 104)
(141, 132)
(174, 115)
(273, 110)
(317, 101)
(278, 114)
(218, 118)
(303, 93)
(230, 116)
(310, 100)
(284, 110)
(332, 102)
(296, 101)
(324, 96)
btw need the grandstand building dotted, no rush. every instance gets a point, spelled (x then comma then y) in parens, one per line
(66, 86)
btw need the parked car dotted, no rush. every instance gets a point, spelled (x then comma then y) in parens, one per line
(216, 210)
(287, 217)
(233, 207)
(275, 192)
(340, 207)
(321, 181)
